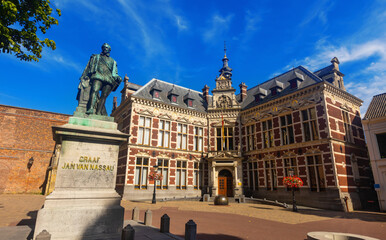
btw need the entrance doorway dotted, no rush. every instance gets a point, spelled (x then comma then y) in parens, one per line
(225, 183)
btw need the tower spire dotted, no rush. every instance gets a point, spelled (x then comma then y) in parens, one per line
(225, 49)
(225, 70)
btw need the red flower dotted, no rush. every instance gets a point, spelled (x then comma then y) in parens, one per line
(155, 176)
(293, 182)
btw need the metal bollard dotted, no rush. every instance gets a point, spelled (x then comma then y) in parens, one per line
(135, 215)
(165, 224)
(190, 230)
(128, 233)
(206, 198)
(148, 217)
(43, 235)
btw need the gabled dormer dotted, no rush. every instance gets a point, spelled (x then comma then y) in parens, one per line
(188, 99)
(260, 94)
(295, 79)
(156, 90)
(276, 87)
(173, 95)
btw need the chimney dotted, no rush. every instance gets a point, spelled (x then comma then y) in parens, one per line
(114, 103)
(125, 90)
(243, 92)
(205, 93)
(336, 63)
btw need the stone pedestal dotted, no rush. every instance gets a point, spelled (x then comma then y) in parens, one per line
(84, 203)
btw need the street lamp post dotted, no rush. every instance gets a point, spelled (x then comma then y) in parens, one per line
(155, 184)
(294, 207)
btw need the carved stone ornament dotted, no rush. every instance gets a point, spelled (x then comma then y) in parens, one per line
(224, 102)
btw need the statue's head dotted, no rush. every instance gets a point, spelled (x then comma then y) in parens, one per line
(106, 49)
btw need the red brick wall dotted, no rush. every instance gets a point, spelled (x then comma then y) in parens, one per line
(343, 150)
(26, 133)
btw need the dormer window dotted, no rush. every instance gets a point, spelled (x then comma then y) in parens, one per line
(174, 99)
(293, 84)
(276, 87)
(156, 94)
(156, 90)
(260, 94)
(188, 99)
(296, 79)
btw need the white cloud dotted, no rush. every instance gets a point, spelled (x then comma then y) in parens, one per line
(366, 89)
(218, 26)
(181, 23)
(349, 53)
(318, 12)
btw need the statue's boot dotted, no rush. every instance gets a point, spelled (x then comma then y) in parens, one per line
(90, 111)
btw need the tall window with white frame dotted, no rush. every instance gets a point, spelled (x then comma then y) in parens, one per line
(309, 124)
(141, 172)
(253, 176)
(270, 174)
(267, 134)
(164, 134)
(315, 173)
(163, 168)
(224, 138)
(197, 140)
(347, 127)
(144, 131)
(250, 132)
(196, 175)
(287, 131)
(182, 136)
(181, 174)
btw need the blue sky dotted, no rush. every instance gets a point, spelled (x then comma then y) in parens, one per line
(182, 42)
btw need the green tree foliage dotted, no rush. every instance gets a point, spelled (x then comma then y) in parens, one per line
(19, 22)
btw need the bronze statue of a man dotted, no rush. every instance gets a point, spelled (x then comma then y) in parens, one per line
(100, 74)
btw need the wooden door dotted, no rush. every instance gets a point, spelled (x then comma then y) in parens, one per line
(222, 186)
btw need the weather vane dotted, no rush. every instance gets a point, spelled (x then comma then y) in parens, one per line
(225, 48)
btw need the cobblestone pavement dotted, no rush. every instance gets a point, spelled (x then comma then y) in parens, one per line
(234, 222)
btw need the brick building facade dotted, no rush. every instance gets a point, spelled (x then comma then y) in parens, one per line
(26, 134)
(246, 144)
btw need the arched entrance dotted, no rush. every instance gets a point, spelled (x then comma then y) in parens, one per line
(225, 183)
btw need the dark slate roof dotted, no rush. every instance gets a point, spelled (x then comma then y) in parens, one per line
(133, 86)
(377, 107)
(324, 71)
(173, 91)
(300, 72)
(199, 103)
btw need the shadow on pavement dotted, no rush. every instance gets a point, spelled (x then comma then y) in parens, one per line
(206, 236)
(364, 216)
(261, 208)
(30, 222)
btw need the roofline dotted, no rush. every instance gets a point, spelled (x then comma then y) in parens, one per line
(169, 104)
(322, 68)
(378, 95)
(155, 79)
(280, 96)
(36, 110)
(311, 74)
